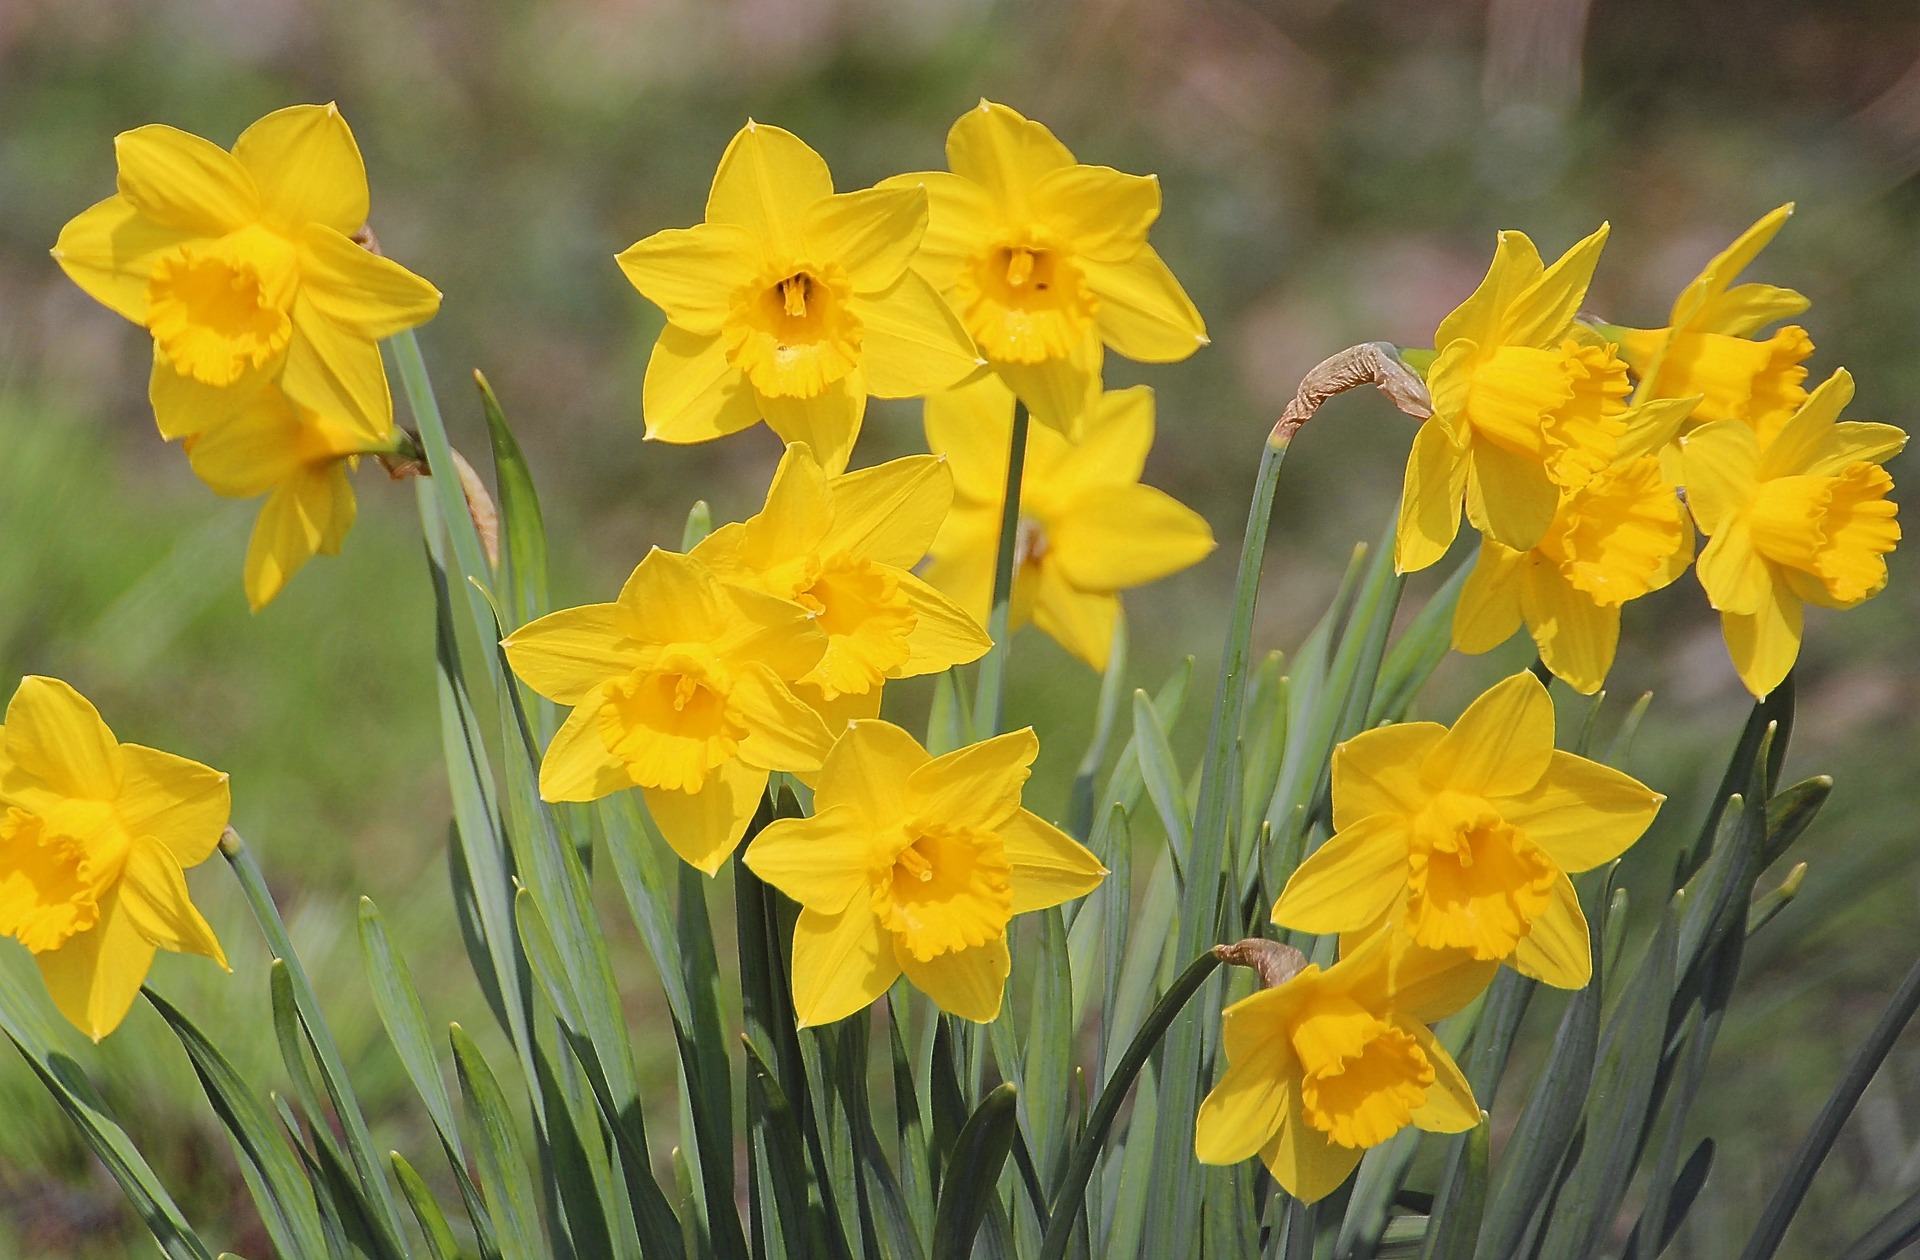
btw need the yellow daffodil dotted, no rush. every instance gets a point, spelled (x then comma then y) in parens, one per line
(915, 864)
(243, 267)
(1330, 1063)
(677, 690)
(1525, 403)
(1463, 838)
(840, 547)
(1707, 347)
(94, 835)
(1046, 260)
(1804, 519)
(1088, 528)
(1621, 535)
(791, 304)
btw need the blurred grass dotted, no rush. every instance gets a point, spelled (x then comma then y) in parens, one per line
(1334, 172)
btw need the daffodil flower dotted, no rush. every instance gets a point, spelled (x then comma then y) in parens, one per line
(243, 267)
(94, 836)
(1046, 260)
(1707, 347)
(1804, 519)
(1463, 838)
(841, 548)
(1525, 403)
(1328, 1064)
(791, 304)
(1088, 528)
(677, 690)
(915, 864)
(1620, 536)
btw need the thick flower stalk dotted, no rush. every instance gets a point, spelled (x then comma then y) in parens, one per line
(1088, 528)
(94, 837)
(1621, 535)
(679, 688)
(915, 865)
(1802, 519)
(1331, 1063)
(1463, 838)
(841, 548)
(791, 304)
(1526, 403)
(1708, 347)
(1046, 260)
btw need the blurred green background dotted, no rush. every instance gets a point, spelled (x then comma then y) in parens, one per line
(1334, 171)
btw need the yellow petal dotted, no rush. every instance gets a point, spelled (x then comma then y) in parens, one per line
(1652, 426)
(977, 786)
(1576, 637)
(1854, 442)
(1516, 264)
(578, 765)
(842, 963)
(1489, 609)
(691, 393)
(1306, 1162)
(1557, 950)
(1049, 866)
(55, 734)
(1727, 264)
(828, 422)
(692, 273)
(1378, 772)
(1241, 1114)
(1721, 461)
(970, 427)
(1117, 537)
(1004, 153)
(961, 223)
(1501, 745)
(873, 233)
(704, 827)
(109, 250)
(181, 803)
(1765, 644)
(1058, 392)
(1101, 213)
(822, 862)
(1419, 984)
(1746, 308)
(366, 295)
(868, 769)
(1114, 440)
(1144, 313)
(966, 982)
(1806, 434)
(839, 713)
(251, 451)
(183, 407)
(1541, 313)
(1736, 577)
(309, 514)
(1080, 621)
(95, 976)
(1349, 880)
(798, 513)
(338, 374)
(1509, 496)
(944, 634)
(783, 731)
(179, 180)
(762, 630)
(914, 343)
(961, 563)
(672, 598)
(153, 892)
(1450, 1105)
(890, 513)
(565, 655)
(1582, 813)
(308, 169)
(1436, 481)
(765, 183)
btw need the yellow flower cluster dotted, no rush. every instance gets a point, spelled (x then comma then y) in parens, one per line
(1583, 501)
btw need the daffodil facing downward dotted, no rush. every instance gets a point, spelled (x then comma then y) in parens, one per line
(1329, 1064)
(1463, 838)
(1526, 403)
(1088, 528)
(915, 864)
(791, 303)
(1046, 260)
(243, 267)
(678, 689)
(841, 548)
(94, 836)
(1802, 519)
(1708, 346)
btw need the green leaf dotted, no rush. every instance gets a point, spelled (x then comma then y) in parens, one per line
(1133, 1192)
(881, 1200)
(433, 1222)
(1456, 1218)
(1686, 1188)
(525, 531)
(776, 1135)
(699, 525)
(993, 666)
(1418, 652)
(1790, 813)
(500, 1162)
(398, 1004)
(1164, 783)
(1891, 1234)
(917, 1175)
(1047, 1073)
(967, 1190)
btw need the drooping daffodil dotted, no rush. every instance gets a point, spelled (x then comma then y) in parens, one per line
(679, 688)
(94, 837)
(1463, 837)
(1088, 528)
(791, 304)
(1046, 260)
(913, 864)
(1802, 519)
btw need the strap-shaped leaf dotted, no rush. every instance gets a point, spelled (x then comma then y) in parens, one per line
(1686, 1188)
(1458, 1209)
(1165, 785)
(499, 1159)
(969, 1187)
(426, 1210)
(525, 555)
(398, 1003)
(1080, 798)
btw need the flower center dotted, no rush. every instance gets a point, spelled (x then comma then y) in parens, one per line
(672, 724)
(1559, 407)
(866, 618)
(47, 892)
(792, 332)
(1362, 1077)
(1475, 882)
(1611, 536)
(1833, 528)
(1026, 303)
(219, 310)
(945, 888)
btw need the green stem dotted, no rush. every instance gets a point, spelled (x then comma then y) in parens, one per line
(990, 698)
